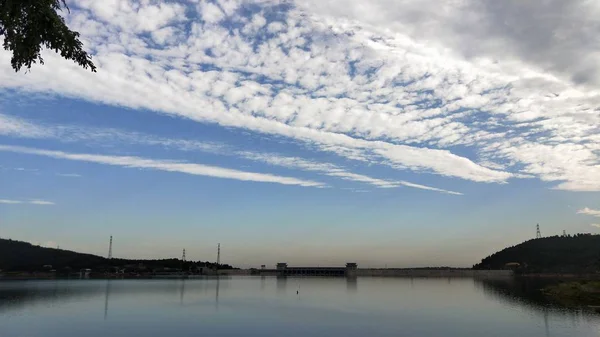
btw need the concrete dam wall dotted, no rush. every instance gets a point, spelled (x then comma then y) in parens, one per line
(351, 270)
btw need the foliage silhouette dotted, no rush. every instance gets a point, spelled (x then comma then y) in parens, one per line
(23, 256)
(557, 254)
(29, 25)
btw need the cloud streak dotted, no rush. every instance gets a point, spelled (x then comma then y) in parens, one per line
(10, 202)
(333, 171)
(41, 202)
(69, 175)
(110, 136)
(31, 202)
(165, 165)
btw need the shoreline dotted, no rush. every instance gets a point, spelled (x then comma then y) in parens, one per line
(390, 272)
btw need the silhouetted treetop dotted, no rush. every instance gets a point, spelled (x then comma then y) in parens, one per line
(29, 25)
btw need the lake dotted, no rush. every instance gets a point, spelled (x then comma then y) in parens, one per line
(271, 306)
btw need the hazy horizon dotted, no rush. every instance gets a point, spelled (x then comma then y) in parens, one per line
(401, 133)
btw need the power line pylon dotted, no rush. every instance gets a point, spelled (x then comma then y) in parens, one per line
(110, 248)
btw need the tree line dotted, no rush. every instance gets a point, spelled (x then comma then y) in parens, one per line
(23, 256)
(578, 253)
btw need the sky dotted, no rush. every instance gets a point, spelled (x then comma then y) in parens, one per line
(316, 132)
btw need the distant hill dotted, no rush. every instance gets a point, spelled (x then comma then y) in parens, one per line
(557, 254)
(23, 256)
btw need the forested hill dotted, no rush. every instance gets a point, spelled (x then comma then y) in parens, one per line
(23, 256)
(557, 254)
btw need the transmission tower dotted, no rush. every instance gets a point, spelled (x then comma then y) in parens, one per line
(564, 233)
(538, 234)
(183, 256)
(218, 254)
(110, 249)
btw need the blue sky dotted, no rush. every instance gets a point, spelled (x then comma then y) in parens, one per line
(313, 132)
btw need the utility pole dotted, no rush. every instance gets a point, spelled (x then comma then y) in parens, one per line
(218, 255)
(110, 249)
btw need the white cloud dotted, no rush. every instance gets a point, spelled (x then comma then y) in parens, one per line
(69, 175)
(356, 190)
(165, 35)
(595, 225)
(589, 211)
(423, 187)
(23, 169)
(32, 202)
(132, 16)
(41, 202)
(17, 127)
(378, 81)
(165, 165)
(10, 202)
(556, 36)
(275, 27)
(210, 13)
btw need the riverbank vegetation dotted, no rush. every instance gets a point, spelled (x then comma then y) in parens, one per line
(576, 293)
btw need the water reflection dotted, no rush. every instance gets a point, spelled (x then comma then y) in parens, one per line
(525, 292)
(351, 284)
(281, 284)
(181, 291)
(106, 296)
(325, 307)
(217, 293)
(546, 325)
(58, 292)
(18, 295)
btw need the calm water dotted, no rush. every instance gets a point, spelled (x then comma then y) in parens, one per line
(255, 306)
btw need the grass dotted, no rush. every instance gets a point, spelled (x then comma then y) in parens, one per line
(576, 293)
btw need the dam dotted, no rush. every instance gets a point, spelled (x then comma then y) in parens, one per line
(351, 270)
